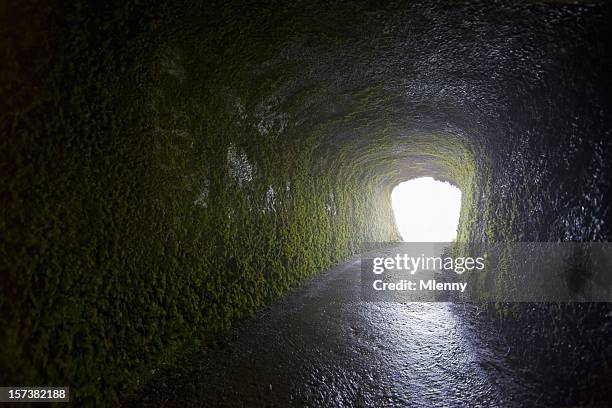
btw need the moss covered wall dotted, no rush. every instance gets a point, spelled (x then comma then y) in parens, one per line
(169, 168)
(152, 195)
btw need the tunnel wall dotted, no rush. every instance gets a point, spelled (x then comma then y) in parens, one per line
(547, 179)
(152, 197)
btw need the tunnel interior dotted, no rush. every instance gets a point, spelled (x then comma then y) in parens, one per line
(172, 168)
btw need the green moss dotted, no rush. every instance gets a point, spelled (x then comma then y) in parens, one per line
(129, 238)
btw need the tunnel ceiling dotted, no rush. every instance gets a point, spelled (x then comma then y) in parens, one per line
(405, 88)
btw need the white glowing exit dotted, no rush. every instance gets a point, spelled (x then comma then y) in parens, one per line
(426, 210)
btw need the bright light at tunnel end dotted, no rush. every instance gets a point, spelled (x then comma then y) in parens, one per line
(426, 210)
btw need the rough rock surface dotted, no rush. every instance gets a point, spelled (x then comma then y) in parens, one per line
(168, 169)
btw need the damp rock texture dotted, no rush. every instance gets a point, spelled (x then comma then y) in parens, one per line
(169, 168)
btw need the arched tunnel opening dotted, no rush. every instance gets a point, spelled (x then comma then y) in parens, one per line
(198, 203)
(426, 210)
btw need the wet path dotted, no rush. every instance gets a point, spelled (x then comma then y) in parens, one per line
(323, 346)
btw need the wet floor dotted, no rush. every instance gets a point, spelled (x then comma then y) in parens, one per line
(323, 346)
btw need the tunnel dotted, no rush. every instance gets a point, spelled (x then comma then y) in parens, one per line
(184, 182)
